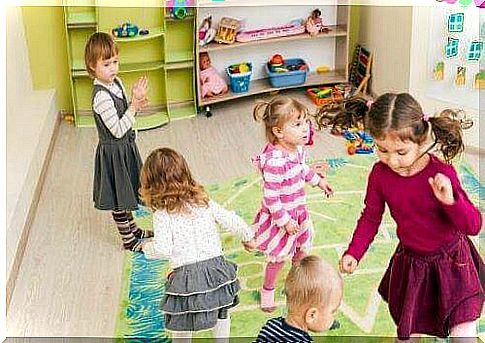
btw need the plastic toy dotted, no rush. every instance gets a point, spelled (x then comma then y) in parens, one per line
(240, 81)
(323, 69)
(178, 8)
(314, 23)
(143, 32)
(211, 82)
(206, 32)
(325, 95)
(276, 61)
(227, 30)
(271, 32)
(358, 142)
(125, 30)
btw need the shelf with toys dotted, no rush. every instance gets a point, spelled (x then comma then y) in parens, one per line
(153, 42)
(334, 31)
(236, 45)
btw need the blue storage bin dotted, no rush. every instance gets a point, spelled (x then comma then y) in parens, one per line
(240, 82)
(289, 78)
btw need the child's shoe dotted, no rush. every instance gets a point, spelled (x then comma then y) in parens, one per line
(134, 245)
(140, 234)
(267, 300)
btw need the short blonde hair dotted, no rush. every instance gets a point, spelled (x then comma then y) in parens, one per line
(311, 282)
(100, 46)
(277, 112)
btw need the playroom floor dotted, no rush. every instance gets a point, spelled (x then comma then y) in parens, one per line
(70, 279)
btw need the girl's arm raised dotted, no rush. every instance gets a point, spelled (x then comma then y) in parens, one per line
(461, 211)
(370, 218)
(161, 244)
(229, 220)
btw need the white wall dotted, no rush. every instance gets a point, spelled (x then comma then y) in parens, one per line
(435, 96)
(386, 31)
(31, 120)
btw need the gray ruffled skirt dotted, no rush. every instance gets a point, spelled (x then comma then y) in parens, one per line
(197, 294)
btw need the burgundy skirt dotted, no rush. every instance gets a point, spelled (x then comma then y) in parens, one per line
(429, 294)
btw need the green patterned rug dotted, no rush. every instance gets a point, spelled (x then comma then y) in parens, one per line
(362, 313)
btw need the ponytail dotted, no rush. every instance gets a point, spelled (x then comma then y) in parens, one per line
(342, 116)
(447, 130)
(260, 111)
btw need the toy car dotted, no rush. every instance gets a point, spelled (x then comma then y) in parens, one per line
(125, 30)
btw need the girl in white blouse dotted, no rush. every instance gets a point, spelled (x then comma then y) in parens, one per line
(203, 284)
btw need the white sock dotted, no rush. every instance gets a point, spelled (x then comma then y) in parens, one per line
(222, 330)
(182, 336)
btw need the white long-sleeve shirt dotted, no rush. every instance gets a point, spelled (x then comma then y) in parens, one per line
(104, 105)
(193, 237)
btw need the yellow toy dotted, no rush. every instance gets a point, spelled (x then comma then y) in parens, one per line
(323, 69)
(243, 68)
(226, 33)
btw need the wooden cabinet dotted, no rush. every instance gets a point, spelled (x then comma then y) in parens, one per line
(165, 55)
(329, 49)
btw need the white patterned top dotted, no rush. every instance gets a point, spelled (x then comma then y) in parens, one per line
(105, 107)
(189, 238)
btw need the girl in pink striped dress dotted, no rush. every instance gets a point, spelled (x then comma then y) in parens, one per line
(283, 225)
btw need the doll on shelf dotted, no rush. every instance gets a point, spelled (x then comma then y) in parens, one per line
(314, 23)
(212, 83)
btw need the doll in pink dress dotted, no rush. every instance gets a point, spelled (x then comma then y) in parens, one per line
(212, 83)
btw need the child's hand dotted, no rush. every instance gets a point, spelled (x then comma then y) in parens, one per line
(321, 169)
(139, 90)
(291, 227)
(325, 186)
(249, 245)
(348, 264)
(139, 94)
(442, 189)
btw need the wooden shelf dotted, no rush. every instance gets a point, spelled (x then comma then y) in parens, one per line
(179, 65)
(81, 20)
(263, 86)
(124, 68)
(336, 31)
(179, 56)
(171, 19)
(182, 110)
(152, 33)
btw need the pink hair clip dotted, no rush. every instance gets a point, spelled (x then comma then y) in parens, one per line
(426, 117)
(369, 103)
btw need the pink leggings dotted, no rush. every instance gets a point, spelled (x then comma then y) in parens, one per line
(274, 268)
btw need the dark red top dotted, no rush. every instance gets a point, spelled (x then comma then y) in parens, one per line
(424, 224)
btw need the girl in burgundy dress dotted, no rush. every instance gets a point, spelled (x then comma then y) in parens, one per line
(435, 281)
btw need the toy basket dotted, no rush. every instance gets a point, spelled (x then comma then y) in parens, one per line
(240, 82)
(289, 78)
(334, 95)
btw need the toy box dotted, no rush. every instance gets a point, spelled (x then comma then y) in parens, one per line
(325, 95)
(240, 79)
(293, 72)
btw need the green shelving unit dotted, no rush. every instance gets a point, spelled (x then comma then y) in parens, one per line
(165, 56)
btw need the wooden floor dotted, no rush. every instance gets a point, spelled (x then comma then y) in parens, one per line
(69, 281)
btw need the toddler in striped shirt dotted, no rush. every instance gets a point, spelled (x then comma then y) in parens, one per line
(283, 227)
(313, 291)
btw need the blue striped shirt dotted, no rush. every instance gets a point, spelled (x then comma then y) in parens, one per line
(276, 330)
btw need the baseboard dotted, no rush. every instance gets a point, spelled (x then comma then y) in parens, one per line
(24, 236)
